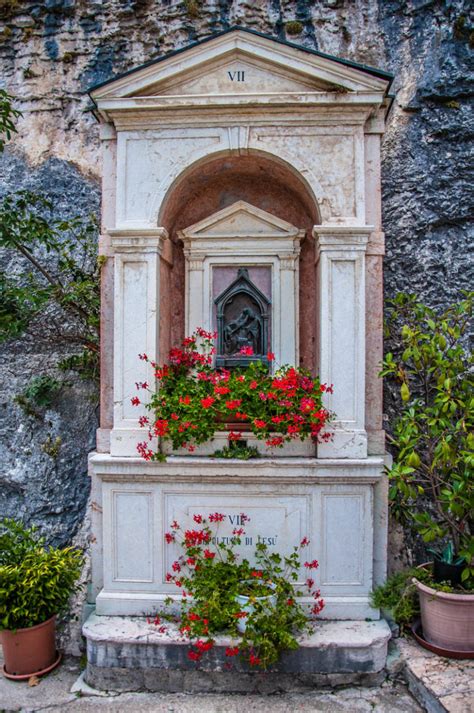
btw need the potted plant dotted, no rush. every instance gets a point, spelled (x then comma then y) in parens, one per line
(221, 590)
(35, 585)
(194, 400)
(431, 479)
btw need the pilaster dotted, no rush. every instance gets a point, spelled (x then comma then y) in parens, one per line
(341, 325)
(136, 328)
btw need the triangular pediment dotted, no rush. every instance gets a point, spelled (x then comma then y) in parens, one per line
(240, 61)
(240, 220)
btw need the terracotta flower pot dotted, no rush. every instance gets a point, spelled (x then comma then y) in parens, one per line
(30, 651)
(447, 619)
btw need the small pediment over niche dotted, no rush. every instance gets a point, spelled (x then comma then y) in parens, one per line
(240, 220)
(240, 61)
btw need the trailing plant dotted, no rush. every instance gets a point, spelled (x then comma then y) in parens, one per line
(35, 581)
(237, 449)
(65, 286)
(58, 297)
(431, 480)
(399, 595)
(38, 395)
(211, 575)
(194, 399)
(8, 114)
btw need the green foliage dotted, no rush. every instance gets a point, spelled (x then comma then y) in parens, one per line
(294, 27)
(433, 436)
(237, 449)
(226, 590)
(399, 595)
(39, 394)
(35, 582)
(66, 286)
(7, 113)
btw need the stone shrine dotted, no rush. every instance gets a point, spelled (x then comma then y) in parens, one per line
(241, 192)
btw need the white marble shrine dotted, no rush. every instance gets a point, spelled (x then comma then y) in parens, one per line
(243, 152)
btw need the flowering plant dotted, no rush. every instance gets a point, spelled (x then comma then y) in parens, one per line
(194, 399)
(212, 577)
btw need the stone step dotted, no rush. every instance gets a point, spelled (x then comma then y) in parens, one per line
(129, 654)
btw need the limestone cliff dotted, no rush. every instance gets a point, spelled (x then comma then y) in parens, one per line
(52, 51)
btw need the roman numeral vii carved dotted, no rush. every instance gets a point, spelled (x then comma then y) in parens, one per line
(239, 76)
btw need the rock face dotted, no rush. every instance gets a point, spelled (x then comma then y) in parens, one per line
(52, 51)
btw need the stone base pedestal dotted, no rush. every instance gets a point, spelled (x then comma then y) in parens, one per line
(128, 654)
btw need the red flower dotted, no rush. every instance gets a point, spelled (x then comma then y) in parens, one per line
(310, 583)
(143, 357)
(276, 441)
(169, 537)
(161, 427)
(207, 402)
(185, 400)
(307, 405)
(209, 555)
(290, 602)
(204, 645)
(233, 404)
(241, 416)
(216, 517)
(257, 573)
(278, 419)
(206, 335)
(198, 519)
(233, 436)
(135, 401)
(254, 660)
(144, 451)
(232, 651)
(253, 384)
(240, 615)
(270, 356)
(304, 542)
(194, 617)
(143, 421)
(176, 567)
(312, 565)
(259, 423)
(238, 531)
(221, 390)
(246, 351)
(169, 577)
(194, 655)
(318, 607)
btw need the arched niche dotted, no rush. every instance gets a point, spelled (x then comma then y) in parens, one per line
(212, 185)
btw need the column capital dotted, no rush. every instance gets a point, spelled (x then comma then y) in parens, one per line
(342, 237)
(138, 240)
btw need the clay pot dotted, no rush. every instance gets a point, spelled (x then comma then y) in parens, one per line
(30, 651)
(447, 619)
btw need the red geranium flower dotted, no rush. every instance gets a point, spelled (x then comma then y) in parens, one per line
(246, 351)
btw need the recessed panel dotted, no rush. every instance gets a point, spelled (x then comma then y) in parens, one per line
(132, 532)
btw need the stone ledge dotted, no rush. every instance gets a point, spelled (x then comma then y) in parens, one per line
(127, 653)
(439, 684)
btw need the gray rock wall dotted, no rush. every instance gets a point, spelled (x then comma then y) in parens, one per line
(51, 51)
